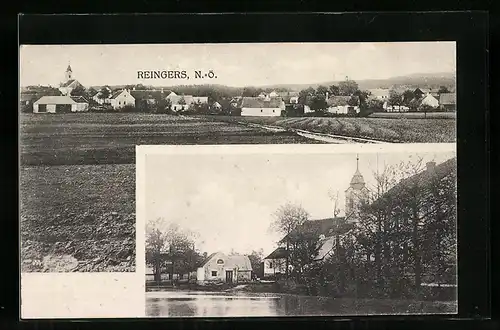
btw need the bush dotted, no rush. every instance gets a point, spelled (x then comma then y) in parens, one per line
(128, 108)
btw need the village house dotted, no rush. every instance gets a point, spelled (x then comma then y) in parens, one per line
(289, 97)
(430, 100)
(262, 106)
(219, 267)
(275, 263)
(448, 102)
(103, 96)
(121, 99)
(340, 105)
(421, 92)
(381, 94)
(183, 102)
(69, 83)
(60, 104)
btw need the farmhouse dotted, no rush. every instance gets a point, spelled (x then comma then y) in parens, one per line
(289, 97)
(430, 100)
(60, 104)
(275, 263)
(183, 102)
(340, 105)
(262, 106)
(219, 267)
(103, 96)
(381, 94)
(448, 101)
(122, 99)
(69, 84)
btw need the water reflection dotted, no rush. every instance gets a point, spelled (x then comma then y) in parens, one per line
(212, 304)
(202, 304)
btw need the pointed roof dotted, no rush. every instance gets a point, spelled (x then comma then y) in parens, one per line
(357, 181)
(69, 68)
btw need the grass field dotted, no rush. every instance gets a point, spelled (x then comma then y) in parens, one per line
(77, 182)
(397, 130)
(415, 115)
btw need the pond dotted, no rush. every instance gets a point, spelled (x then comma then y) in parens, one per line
(243, 304)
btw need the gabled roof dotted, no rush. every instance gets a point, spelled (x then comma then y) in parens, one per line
(336, 101)
(79, 99)
(232, 261)
(448, 98)
(379, 92)
(189, 99)
(327, 227)
(279, 253)
(55, 100)
(421, 179)
(70, 83)
(257, 102)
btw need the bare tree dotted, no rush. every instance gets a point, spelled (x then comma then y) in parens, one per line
(334, 197)
(287, 219)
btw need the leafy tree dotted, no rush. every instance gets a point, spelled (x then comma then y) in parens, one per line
(348, 87)
(305, 94)
(79, 91)
(395, 98)
(321, 91)
(334, 90)
(182, 101)
(256, 260)
(425, 108)
(408, 95)
(443, 89)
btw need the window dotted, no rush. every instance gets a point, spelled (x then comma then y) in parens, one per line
(270, 264)
(261, 110)
(214, 273)
(273, 110)
(42, 108)
(220, 261)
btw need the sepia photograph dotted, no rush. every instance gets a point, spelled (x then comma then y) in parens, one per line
(84, 108)
(304, 230)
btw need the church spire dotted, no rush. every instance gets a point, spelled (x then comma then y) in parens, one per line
(357, 162)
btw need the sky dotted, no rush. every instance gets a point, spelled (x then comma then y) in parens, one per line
(229, 199)
(238, 65)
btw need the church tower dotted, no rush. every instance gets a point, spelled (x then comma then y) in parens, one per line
(69, 73)
(355, 194)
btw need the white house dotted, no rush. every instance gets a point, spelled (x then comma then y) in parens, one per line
(381, 94)
(220, 267)
(275, 263)
(60, 104)
(183, 102)
(273, 94)
(430, 101)
(100, 98)
(122, 99)
(340, 105)
(258, 106)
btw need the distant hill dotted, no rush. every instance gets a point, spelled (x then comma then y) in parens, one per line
(423, 80)
(432, 80)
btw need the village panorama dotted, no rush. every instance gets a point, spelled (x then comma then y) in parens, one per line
(346, 234)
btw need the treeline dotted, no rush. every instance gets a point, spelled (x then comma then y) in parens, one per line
(404, 237)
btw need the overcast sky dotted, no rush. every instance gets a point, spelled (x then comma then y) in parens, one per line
(234, 64)
(229, 199)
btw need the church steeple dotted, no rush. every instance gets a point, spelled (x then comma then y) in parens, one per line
(357, 181)
(69, 72)
(356, 193)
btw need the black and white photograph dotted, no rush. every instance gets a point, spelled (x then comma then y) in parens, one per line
(236, 231)
(85, 107)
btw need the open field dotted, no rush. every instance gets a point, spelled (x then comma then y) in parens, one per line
(77, 182)
(83, 212)
(415, 115)
(400, 130)
(110, 138)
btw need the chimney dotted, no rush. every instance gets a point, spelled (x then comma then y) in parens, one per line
(326, 99)
(431, 167)
(162, 90)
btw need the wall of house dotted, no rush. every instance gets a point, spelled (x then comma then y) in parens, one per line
(338, 110)
(431, 101)
(122, 100)
(51, 108)
(274, 266)
(244, 276)
(276, 112)
(178, 107)
(79, 107)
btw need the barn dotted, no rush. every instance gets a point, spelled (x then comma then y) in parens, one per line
(60, 104)
(262, 106)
